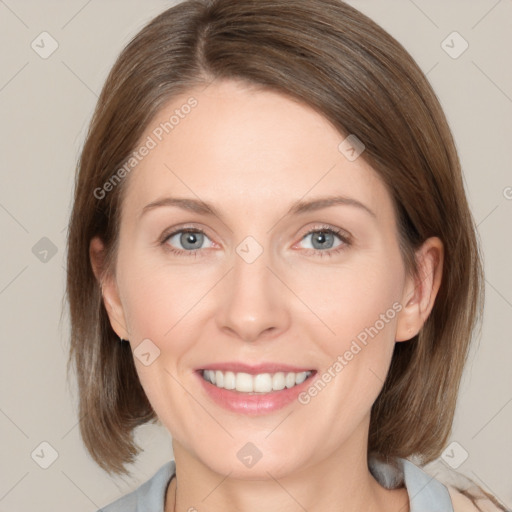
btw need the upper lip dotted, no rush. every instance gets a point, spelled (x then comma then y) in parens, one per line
(253, 369)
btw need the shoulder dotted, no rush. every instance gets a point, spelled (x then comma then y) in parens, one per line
(466, 495)
(464, 501)
(461, 503)
(148, 496)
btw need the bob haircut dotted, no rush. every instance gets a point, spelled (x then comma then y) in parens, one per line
(329, 56)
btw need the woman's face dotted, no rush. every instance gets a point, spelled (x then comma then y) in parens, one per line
(320, 287)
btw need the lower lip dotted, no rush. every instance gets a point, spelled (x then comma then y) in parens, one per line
(255, 404)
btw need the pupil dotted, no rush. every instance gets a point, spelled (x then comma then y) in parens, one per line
(190, 238)
(321, 238)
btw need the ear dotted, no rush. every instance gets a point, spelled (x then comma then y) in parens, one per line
(109, 289)
(420, 291)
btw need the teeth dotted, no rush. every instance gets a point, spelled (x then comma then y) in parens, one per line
(260, 383)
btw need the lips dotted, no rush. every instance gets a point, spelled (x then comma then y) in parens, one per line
(239, 367)
(252, 403)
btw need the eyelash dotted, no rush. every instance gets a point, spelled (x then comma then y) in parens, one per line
(342, 235)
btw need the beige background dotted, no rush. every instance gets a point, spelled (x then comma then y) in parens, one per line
(45, 106)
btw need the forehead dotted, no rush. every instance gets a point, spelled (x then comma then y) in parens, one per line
(240, 147)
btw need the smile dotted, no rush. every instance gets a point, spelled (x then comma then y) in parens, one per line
(252, 384)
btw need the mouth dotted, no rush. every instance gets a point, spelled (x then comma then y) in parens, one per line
(255, 383)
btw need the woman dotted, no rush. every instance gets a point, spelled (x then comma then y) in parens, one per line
(271, 252)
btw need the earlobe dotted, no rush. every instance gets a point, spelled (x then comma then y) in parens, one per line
(421, 290)
(108, 288)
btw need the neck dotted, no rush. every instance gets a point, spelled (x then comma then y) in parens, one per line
(339, 483)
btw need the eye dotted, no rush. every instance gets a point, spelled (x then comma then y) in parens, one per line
(323, 241)
(190, 239)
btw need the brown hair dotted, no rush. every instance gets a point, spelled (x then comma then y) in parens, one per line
(333, 58)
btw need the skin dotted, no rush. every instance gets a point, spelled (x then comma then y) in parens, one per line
(252, 153)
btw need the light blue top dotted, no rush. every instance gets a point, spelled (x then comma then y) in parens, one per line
(426, 494)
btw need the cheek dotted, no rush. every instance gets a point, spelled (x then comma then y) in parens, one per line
(355, 297)
(356, 358)
(156, 304)
(162, 305)
(155, 298)
(147, 313)
(360, 306)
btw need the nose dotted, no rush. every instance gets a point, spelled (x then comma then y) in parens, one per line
(253, 300)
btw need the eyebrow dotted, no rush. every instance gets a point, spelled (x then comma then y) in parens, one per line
(201, 207)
